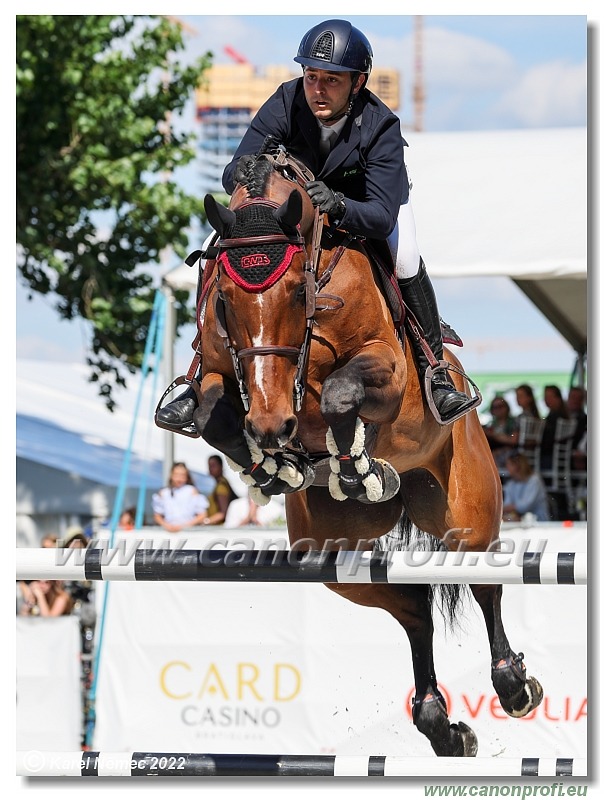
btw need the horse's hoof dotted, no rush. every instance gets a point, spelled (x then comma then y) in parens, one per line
(527, 700)
(430, 718)
(468, 738)
(517, 694)
(389, 479)
(281, 473)
(296, 470)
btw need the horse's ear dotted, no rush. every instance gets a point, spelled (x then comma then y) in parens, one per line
(219, 217)
(290, 213)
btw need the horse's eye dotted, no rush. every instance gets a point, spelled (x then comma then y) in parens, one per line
(301, 292)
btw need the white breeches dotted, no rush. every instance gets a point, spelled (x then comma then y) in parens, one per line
(403, 244)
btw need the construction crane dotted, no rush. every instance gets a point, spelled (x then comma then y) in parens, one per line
(232, 53)
(419, 94)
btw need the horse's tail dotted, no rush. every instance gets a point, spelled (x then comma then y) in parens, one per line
(448, 598)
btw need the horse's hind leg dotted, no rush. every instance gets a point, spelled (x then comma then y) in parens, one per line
(517, 694)
(411, 606)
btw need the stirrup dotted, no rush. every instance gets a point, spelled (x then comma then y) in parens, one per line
(472, 403)
(189, 430)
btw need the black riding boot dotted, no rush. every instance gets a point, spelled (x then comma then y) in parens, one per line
(419, 296)
(179, 413)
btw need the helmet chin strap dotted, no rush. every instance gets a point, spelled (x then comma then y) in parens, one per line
(336, 117)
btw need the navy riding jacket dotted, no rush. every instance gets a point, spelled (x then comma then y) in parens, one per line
(366, 164)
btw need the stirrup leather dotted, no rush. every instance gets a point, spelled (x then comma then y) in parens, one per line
(473, 402)
(189, 430)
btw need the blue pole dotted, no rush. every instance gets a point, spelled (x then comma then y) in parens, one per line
(158, 310)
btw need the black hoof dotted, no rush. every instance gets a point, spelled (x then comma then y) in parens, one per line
(517, 694)
(430, 718)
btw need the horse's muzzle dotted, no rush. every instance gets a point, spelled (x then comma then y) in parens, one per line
(269, 438)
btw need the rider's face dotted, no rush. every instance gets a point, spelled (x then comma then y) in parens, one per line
(327, 93)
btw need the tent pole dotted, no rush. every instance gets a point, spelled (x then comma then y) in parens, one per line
(168, 373)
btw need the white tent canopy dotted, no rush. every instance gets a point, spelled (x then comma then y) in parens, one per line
(501, 203)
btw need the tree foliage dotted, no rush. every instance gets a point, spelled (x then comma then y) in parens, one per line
(96, 199)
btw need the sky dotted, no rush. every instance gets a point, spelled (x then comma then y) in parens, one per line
(481, 72)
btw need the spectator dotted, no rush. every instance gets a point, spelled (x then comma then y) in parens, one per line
(75, 538)
(179, 504)
(526, 400)
(502, 432)
(127, 519)
(552, 396)
(44, 598)
(81, 592)
(524, 491)
(251, 518)
(576, 410)
(222, 494)
(50, 540)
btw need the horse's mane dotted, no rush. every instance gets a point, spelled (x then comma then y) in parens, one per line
(257, 176)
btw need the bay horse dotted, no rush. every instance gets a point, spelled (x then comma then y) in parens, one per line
(310, 393)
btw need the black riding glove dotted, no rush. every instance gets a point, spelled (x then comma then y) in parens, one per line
(328, 201)
(240, 174)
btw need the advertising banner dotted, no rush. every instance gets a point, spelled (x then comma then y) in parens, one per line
(49, 694)
(295, 668)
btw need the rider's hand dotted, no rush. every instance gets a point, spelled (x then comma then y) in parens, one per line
(240, 174)
(328, 201)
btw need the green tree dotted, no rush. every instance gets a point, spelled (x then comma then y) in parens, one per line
(96, 156)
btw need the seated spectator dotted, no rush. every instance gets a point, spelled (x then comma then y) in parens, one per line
(502, 432)
(524, 491)
(525, 398)
(552, 396)
(576, 410)
(222, 494)
(44, 598)
(179, 504)
(50, 540)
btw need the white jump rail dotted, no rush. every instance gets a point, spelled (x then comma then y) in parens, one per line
(291, 566)
(92, 764)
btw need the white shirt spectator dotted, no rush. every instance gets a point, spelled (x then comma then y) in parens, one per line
(180, 504)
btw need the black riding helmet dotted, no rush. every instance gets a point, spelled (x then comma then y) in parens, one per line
(337, 46)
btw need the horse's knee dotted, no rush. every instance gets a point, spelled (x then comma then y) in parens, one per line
(216, 418)
(341, 398)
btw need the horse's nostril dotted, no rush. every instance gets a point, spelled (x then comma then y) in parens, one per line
(287, 431)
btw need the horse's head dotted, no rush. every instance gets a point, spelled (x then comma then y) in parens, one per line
(260, 305)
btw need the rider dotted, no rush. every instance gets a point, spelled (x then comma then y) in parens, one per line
(352, 142)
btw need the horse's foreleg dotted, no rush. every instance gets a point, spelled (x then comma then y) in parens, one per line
(369, 385)
(411, 606)
(517, 694)
(219, 420)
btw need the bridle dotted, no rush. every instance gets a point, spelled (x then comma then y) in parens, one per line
(313, 288)
(310, 271)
